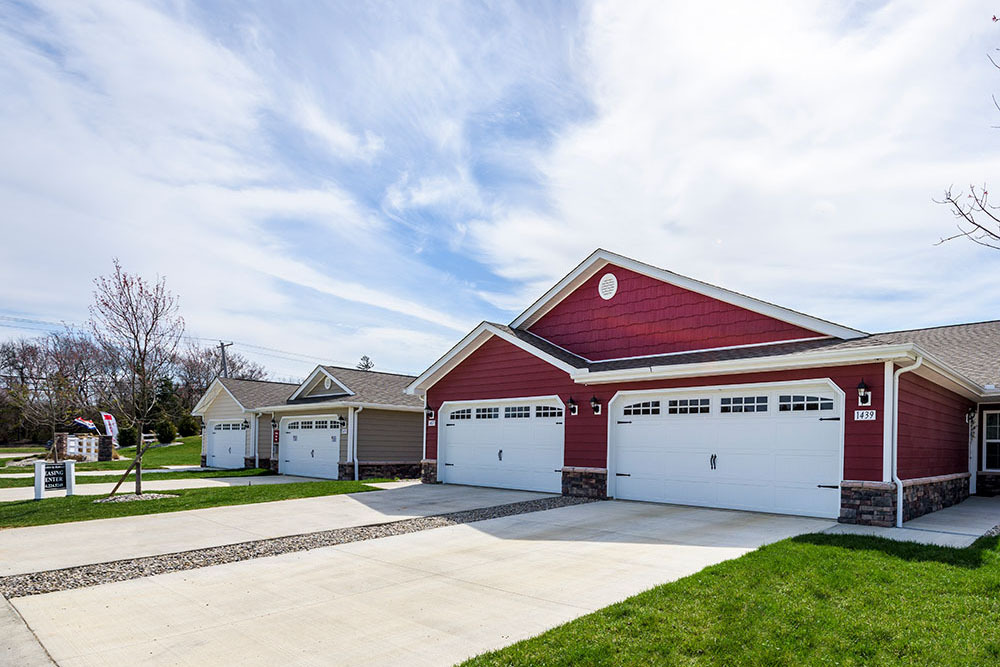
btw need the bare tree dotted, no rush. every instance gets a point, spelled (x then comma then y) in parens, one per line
(138, 327)
(37, 382)
(366, 364)
(977, 219)
(196, 367)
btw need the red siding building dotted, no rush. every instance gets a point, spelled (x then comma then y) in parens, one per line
(627, 381)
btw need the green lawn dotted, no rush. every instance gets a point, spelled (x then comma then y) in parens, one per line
(187, 451)
(115, 476)
(83, 508)
(814, 599)
(22, 450)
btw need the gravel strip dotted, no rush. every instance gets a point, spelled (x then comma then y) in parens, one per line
(36, 583)
(131, 497)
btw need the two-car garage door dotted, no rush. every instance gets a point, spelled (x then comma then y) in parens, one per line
(771, 449)
(506, 444)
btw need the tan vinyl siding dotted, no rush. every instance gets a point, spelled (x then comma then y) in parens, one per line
(390, 436)
(264, 436)
(316, 389)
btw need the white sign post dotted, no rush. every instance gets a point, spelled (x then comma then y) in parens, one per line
(54, 476)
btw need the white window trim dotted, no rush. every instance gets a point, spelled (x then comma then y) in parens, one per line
(986, 413)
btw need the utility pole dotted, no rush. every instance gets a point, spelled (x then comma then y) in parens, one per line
(225, 366)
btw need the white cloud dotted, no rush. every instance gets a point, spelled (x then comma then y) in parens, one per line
(338, 139)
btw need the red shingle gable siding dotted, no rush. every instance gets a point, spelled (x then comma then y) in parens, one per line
(500, 370)
(933, 433)
(648, 316)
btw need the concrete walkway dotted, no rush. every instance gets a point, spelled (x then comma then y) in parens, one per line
(104, 488)
(428, 598)
(57, 546)
(956, 526)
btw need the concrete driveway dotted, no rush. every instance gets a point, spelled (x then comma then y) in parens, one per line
(64, 545)
(426, 598)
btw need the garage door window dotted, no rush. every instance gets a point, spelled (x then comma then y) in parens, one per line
(547, 411)
(306, 424)
(733, 404)
(644, 408)
(517, 412)
(293, 426)
(799, 403)
(464, 413)
(320, 423)
(487, 413)
(688, 406)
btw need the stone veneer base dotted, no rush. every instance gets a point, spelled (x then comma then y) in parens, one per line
(375, 469)
(874, 503)
(248, 462)
(987, 483)
(204, 461)
(429, 471)
(585, 482)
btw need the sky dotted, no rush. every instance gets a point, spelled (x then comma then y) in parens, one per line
(318, 181)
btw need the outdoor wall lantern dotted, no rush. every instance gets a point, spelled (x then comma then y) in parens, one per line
(429, 411)
(595, 405)
(864, 394)
(246, 424)
(970, 416)
(274, 424)
(572, 406)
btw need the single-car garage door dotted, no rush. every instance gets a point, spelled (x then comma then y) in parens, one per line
(310, 446)
(506, 444)
(226, 444)
(763, 448)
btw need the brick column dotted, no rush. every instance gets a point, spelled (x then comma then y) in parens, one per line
(105, 448)
(59, 444)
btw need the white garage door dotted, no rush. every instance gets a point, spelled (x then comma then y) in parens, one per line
(768, 449)
(227, 443)
(506, 444)
(310, 447)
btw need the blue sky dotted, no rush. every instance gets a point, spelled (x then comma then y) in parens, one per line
(338, 179)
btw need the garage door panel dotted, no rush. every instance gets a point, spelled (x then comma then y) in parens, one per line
(515, 452)
(766, 459)
(225, 445)
(312, 451)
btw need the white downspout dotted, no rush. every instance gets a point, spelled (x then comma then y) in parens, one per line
(354, 441)
(895, 436)
(423, 456)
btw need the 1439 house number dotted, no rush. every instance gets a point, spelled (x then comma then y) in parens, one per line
(864, 415)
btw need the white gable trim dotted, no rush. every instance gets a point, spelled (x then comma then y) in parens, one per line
(470, 344)
(601, 258)
(312, 376)
(214, 390)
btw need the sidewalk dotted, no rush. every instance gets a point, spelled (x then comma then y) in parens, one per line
(956, 526)
(104, 488)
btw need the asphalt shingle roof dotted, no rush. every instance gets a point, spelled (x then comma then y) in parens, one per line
(368, 387)
(971, 349)
(257, 393)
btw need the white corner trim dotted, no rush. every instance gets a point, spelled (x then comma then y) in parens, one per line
(312, 376)
(601, 258)
(214, 390)
(472, 341)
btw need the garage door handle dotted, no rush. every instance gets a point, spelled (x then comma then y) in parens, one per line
(621, 422)
(449, 464)
(623, 474)
(449, 424)
(829, 419)
(827, 486)
(312, 453)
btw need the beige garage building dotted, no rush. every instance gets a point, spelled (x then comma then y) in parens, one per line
(340, 423)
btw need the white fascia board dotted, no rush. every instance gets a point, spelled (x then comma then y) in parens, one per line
(214, 390)
(319, 370)
(602, 258)
(468, 345)
(300, 407)
(759, 364)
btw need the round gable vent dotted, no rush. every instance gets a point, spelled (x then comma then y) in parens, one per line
(327, 383)
(608, 286)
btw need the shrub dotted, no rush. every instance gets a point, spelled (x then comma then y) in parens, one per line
(188, 426)
(165, 432)
(128, 437)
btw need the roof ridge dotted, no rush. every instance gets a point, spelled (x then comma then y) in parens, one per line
(293, 384)
(938, 326)
(345, 368)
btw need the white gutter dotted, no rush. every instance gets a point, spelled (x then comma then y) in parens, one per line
(895, 436)
(354, 440)
(299, 407)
